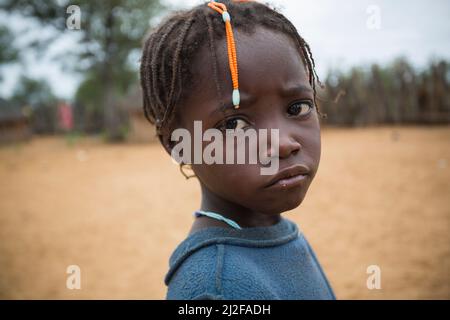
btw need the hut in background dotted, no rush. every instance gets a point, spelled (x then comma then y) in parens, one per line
(140, 130)
(14, 123)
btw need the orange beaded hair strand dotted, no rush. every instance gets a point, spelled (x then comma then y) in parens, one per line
(231, 46)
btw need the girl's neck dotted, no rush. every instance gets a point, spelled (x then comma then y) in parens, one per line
(245, 217)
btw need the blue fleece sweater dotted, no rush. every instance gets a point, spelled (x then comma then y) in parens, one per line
(274, 262)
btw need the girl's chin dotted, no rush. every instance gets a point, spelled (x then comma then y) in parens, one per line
(279, 206)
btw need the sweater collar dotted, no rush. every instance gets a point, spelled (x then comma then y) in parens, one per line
(258, 237)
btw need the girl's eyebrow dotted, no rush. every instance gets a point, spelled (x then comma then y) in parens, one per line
(248, 99)
(290, 90)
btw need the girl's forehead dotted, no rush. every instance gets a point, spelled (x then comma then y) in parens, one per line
(266, 59)
(269, 65)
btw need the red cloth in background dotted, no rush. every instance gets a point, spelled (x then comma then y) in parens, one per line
(65, 116)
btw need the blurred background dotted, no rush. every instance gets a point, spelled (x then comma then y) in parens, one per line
(84, 182)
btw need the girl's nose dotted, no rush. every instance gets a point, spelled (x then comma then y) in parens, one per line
(286, 146)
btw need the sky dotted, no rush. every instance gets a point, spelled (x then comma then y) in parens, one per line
(341, 34)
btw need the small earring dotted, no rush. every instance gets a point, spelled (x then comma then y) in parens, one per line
(183, 173)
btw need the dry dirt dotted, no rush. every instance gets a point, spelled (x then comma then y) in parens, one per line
(381, 197)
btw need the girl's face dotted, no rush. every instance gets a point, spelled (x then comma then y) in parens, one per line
(275, 94)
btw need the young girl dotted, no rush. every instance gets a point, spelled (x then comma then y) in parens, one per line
(239, 65)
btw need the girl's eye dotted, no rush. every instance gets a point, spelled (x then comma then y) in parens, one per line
(234, 124)
(299, 109)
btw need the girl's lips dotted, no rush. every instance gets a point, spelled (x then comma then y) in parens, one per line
(289, 177)
(290, 182)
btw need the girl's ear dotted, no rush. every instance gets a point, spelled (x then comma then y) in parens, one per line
(166, 143)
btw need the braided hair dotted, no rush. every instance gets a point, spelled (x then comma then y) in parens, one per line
(165, 72)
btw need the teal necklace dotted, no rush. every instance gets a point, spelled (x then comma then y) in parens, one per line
(217, 216)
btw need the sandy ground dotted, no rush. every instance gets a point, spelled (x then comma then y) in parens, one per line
(381, 197)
